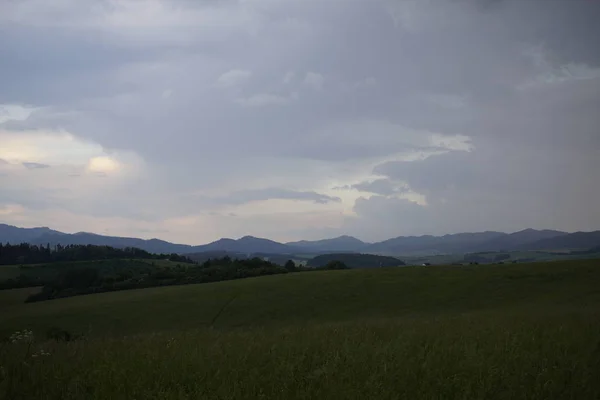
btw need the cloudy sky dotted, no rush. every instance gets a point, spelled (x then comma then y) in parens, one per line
(191, 120)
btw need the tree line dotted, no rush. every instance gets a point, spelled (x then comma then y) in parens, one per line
(64, 271)
(89, 279)
(25, 253)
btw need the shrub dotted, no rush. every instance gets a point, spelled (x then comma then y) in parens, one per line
(290, 266)
(335, 264)
(62, 335)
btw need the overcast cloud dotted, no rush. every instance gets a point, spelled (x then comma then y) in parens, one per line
(299, 119)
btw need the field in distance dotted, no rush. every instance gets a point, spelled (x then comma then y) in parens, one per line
(529, 331)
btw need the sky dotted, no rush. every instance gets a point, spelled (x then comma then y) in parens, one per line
(191, 120)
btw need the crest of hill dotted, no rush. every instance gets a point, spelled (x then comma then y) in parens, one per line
(519, 240)
(427, 244)
(528, 239)
(572, 241)
(246, 244)
(13, 234)
(80, 238)
(343, 243)
(355, 260)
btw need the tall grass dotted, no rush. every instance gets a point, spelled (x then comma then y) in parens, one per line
(489, 356)
(527, 332)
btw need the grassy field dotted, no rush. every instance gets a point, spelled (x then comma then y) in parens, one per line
(528, 331)
(532, 256)
(12, 297)
(49, 270)
(8, 272)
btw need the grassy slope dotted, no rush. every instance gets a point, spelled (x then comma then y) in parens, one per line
(514, 255)
(15, 297)
(519, 332)
(8, 272)
(318, 296)
(49, 270)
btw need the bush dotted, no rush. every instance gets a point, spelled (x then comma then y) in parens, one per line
(335, 264)
(62, 335)
(80, 281)
(290, 266)
(79, 278)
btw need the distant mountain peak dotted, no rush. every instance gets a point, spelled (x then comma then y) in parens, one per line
(246, 244)
(344, 243)
(224, 240)
(349, 238)
(248, 237)
(526, 239)
(532, 230)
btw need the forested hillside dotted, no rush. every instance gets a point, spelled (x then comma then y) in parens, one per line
(26, 253)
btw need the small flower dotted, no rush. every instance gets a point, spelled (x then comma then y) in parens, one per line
(41, 353)
(24, 335)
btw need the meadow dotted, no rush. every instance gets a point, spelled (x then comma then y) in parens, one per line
(9, 272)
(488, 257)
(529, 331)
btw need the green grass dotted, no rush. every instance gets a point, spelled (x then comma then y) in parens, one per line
(11, 271)
(11, 297)
(543, 256)
(50, 270)
(498, 332)
(8, 272)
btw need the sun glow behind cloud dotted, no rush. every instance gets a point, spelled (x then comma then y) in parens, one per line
(63, 149)
(49, 147)
(209, 120)
(103, 165)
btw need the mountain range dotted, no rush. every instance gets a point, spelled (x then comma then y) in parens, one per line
(528, 239)
(339, 244)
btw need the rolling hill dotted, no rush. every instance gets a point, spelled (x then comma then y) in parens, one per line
(523, 332)
(43, 236)
(151, 245)
(339, 244)
(519, 240)
(572, 241)
(459, 243)
(427, 245)
(13, 234)
(247, 244)
(355, 260)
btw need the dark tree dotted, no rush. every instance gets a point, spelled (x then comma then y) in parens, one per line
(290, 266)
(335, 264)
(128, 274)
(501, 257)
(79, 278)
(26, 253)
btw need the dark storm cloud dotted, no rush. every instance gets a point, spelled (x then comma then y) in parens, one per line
(250, 195)
(383, 187)
(498, 96)
(33, 165)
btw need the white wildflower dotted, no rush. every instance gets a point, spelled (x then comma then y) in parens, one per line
(24, 335)
(41, 353)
